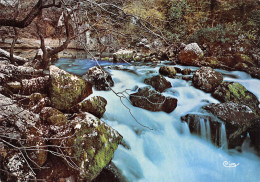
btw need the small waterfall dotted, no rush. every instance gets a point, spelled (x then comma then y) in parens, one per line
(208, 132)
(185, 128)
(203, 132)
(223, 137)
(205, 129)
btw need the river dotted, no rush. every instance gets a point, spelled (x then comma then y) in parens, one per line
(167, 152)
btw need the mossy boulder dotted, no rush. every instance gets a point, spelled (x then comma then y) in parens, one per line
(190, 54)
(95, 105)
(91, 144)
(237, 93)
(168, 71)
(53, 117)
(66, 90)
(207, 79)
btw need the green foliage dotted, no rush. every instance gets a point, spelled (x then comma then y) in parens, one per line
(219, 34)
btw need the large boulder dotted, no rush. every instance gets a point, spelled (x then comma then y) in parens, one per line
(66, 90)
(158, 82)
(235, 92)
(95, 105)
(152, 100)
(89, 142)
(207, 79)
(100, 79)
(167, 71)
(238, 120)
(190, 54)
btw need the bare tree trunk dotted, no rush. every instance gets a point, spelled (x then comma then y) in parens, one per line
(12, 59)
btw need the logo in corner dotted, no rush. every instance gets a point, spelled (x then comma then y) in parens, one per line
(229, 164)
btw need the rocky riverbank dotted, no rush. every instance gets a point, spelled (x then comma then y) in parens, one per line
(48, 130)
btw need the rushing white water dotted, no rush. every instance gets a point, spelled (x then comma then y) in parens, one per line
(169, 153)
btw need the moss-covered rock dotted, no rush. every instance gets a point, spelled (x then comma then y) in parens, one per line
(237, 93)
(167, 71)
(95, 105)
(66, 90)
(91, 144)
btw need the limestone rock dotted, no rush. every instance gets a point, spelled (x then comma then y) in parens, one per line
(235, 92)
(95, 105)
(152, 100)
(66, 90)
(158, 82)
(238, 120)
(207, 79)
(91, 144)
(100, 79)
(190, 54)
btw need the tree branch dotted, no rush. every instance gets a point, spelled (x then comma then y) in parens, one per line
(36, 10)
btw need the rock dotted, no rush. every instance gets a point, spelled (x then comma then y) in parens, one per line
(190, 54)
(15, 87)
(238, 120)
(38, 102)
(237, 93)
(178, 70)
(212, 61)
(19, 72)
(227, 60)
(14, 165)
(48, 112)
(207, 79)
(254, 133)
(123, 55)
(28, 124)
(39, 84)
(241, 66)
(167, 71)
(186, 71)
(158, 82)
(100, 79)
(254, 72)
(163, 56)
(187, 78)
(91, 144)
(95, 105)
(66, 90)
(152, 100)
(137, 58)
(242, 58)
